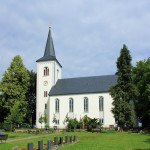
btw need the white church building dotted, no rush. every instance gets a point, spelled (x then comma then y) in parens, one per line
(76, 97)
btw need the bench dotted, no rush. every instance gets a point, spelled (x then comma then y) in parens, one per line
(3, 137)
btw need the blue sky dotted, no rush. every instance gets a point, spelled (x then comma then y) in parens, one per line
(87, 35)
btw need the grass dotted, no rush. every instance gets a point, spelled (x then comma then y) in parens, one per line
(23, 143)
(92, 141)
(13, 135)
(111, 141)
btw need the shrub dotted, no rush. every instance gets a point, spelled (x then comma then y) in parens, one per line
(26, 125)
(7, 127)
(1, 125)
(80, 125)
(72, 124)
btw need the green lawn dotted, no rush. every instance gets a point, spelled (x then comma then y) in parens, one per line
(13, 135)
(111, 141)
(23, 143)
(93, 141)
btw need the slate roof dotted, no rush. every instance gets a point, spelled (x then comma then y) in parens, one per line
(49, 53)
(94, 84)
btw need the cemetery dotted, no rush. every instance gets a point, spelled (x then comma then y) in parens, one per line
(76, 140)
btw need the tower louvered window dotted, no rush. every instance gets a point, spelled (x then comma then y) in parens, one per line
(45, 93)
(46, 71)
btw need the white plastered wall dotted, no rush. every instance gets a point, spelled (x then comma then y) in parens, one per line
(93, 112)
(41, 87)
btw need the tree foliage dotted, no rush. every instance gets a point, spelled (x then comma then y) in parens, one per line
(16, 116)
(122, 92)
(41, 120)
(31, 99)
(141, 79)
(13, 88)
(45, 118)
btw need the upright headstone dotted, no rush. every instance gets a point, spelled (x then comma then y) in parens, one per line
(61, 140)
(40, 145)
(66, 139)
(74, 138)
(55, 140)
(30, 146)
(49, 145)
(70, 139)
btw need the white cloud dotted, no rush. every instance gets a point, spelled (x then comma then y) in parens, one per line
(88, 35)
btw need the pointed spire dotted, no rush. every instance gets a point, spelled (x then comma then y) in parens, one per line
(49, 54)
(49, 49)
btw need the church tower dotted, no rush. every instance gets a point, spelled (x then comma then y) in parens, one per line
(48, 72)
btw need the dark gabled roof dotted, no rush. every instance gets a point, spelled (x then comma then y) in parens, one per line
(49, 53)
(94, 84)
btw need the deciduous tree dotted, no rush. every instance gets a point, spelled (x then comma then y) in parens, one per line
(14, 86)
(41, 120)
(31, 99)
(141, 78)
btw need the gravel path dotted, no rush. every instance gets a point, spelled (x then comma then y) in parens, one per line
(31, 137)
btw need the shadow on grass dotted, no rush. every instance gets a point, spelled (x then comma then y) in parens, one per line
(143, 149)
(148, 140)
(10, 136)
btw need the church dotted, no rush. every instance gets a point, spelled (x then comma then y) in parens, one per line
(75, 97)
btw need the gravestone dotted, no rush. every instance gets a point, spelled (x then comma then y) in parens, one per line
(70, 139)
(61, 140)
(49, 145)
(74, 138)
(55, 140)
(66, 139)
(40, 145)
(30, 146)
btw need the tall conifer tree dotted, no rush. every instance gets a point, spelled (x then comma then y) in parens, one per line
(122, 92)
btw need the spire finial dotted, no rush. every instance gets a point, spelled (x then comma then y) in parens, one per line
(49, 25)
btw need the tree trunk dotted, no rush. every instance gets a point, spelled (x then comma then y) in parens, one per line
(10, 127)
(120, 128)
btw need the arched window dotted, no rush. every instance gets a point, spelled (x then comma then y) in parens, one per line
(101, 103)
(46, 71)
(70, 105)
(86, 104)
(57, 105)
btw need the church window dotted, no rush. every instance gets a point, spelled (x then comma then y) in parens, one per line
(85, 104)
(57, 74)
(57, 105)
(57, 122)
(45, 106)
(70, 105)
(101, 120)
(101, 103)
(46, 71)
(45, 93)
